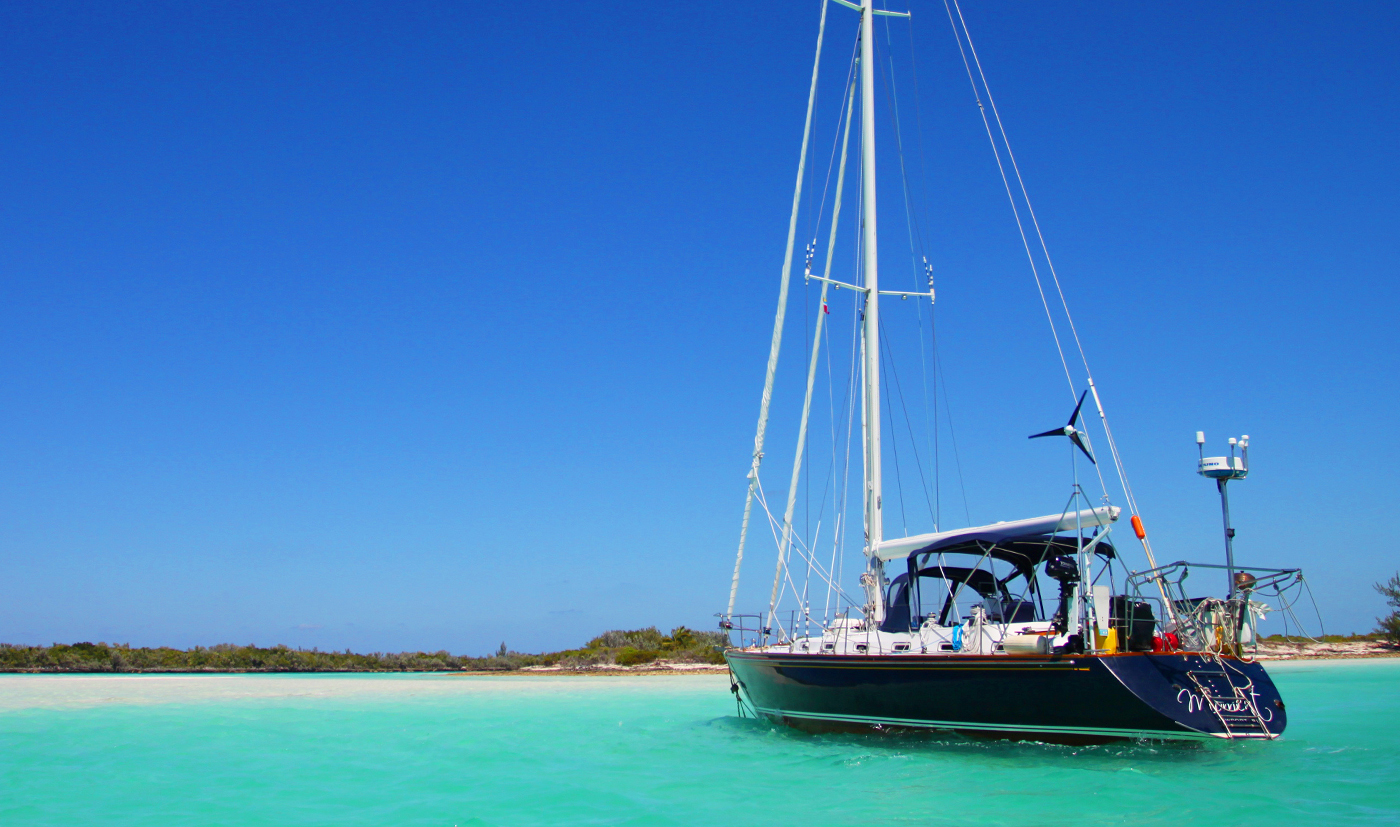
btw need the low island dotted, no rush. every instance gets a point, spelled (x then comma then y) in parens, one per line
(639, 651)
(615, 650)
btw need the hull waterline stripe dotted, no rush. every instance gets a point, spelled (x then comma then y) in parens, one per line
(1051, 730)
(933, 668)
(934, 664)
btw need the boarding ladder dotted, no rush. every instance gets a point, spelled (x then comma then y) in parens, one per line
(1232, 703)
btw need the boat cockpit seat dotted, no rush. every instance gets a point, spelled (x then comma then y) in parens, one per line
(1009, 611)
(1018, 611)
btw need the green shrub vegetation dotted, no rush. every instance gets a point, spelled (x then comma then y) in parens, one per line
(628, 656)
(1389, 626)
(610, 648)
(646, 645)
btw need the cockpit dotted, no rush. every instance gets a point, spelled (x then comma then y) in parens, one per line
(1003, 578)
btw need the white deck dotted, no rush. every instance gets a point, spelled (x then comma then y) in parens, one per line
(930, 639)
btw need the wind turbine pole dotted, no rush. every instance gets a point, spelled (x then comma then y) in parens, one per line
(1086, 642)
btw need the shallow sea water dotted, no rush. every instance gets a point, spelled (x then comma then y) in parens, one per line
(444, 750)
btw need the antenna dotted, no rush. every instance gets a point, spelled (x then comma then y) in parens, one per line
(1222, 470)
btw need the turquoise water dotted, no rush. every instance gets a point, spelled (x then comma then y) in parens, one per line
(443, 750)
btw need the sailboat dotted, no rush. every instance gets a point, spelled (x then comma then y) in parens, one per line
(1027, 628)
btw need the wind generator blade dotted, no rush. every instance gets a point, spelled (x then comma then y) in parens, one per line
(1074, 417)
(1074, 437)
(1056, 432)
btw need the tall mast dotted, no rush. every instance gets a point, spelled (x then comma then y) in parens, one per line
(874, 528)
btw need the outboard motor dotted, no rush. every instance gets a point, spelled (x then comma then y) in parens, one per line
(1066, 572)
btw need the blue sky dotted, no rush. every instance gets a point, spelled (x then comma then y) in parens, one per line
(422, 327)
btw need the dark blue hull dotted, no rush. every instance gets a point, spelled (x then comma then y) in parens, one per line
(1052, 698)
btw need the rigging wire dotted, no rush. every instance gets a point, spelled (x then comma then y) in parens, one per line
(776, 343)
(913, 228)
(908, 424)
(844, 113)
(836, 137)
(805, 451)
(996, 152)
(856, 374)
(961, 35)
(952, 433)
(811, 374)
(931, 436)
(1128, 496)
(894, 441)
(841, 494)
(916, 249)
(892, 96)
(915, 235)
(775, 526)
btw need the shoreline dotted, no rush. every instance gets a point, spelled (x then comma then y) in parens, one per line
(1269, 653)
(612, 671)
(601, 672)
(605, 671)
(1321, 650)
(1276, 653)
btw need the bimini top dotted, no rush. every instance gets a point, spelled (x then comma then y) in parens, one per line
(997, 532)
(1025, 553)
